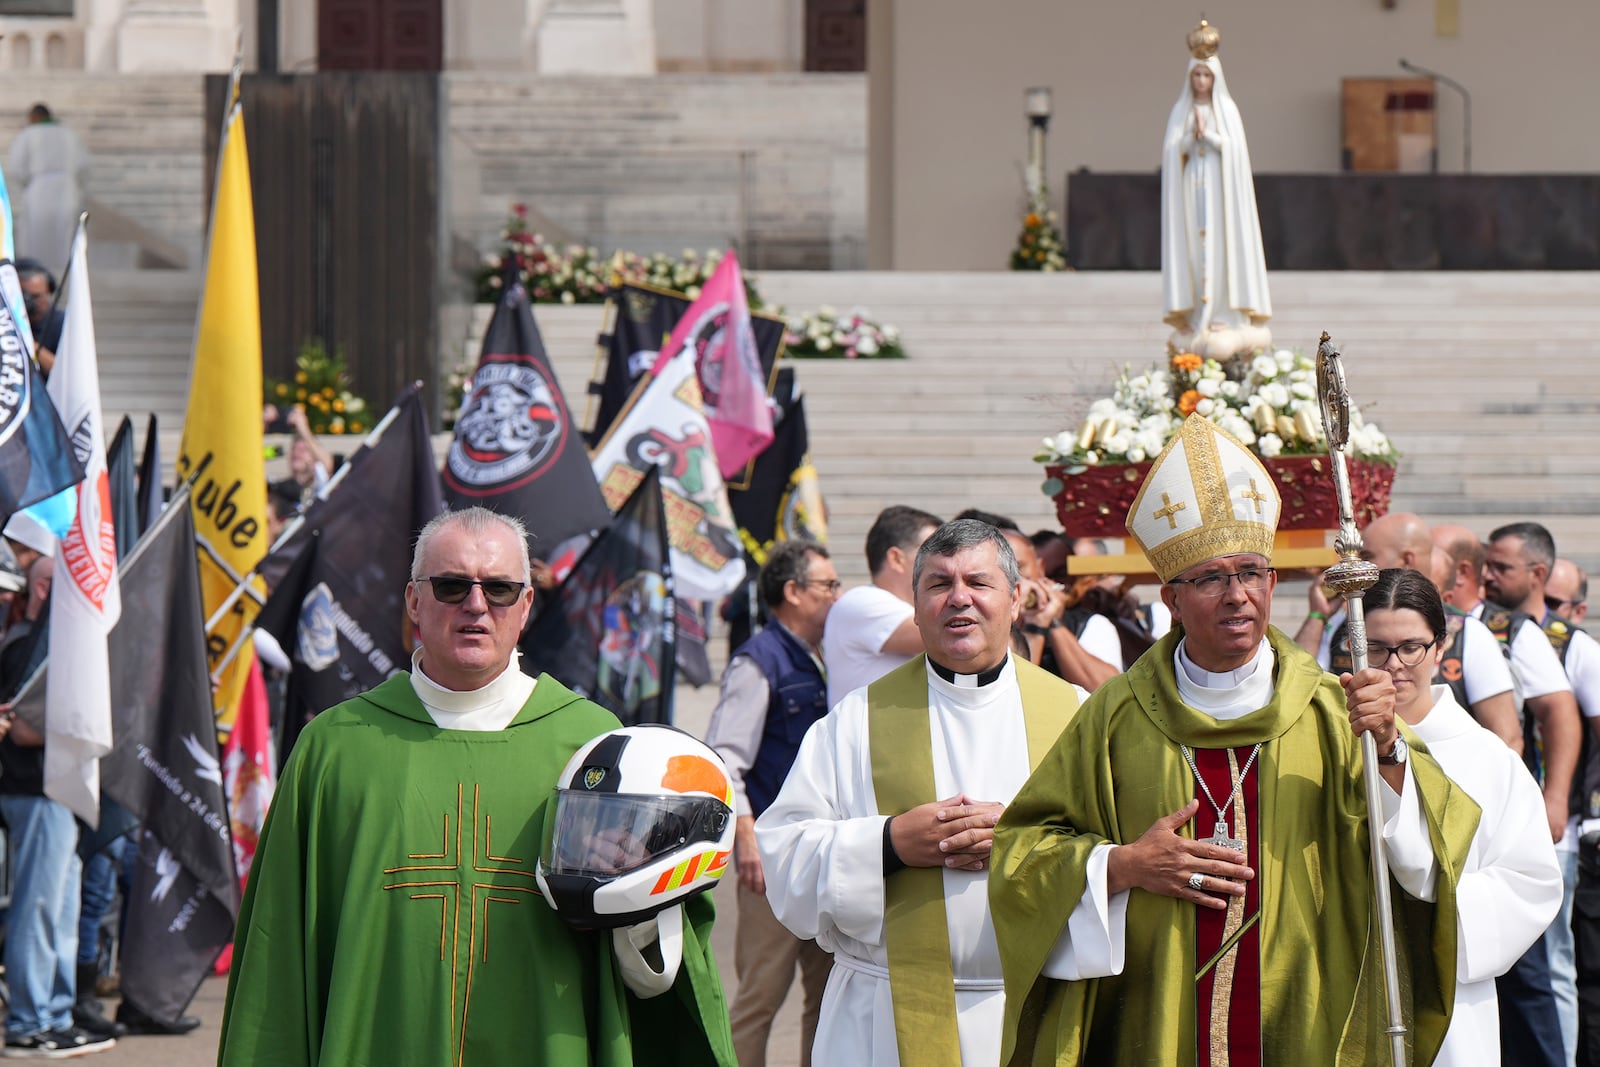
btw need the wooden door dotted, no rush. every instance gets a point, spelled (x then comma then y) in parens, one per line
(344, 171)
(380, 35)
(836, 35)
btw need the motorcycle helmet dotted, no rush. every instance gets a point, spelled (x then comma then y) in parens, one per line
(642, 818)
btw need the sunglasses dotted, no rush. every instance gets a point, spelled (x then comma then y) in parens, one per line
(499, 592)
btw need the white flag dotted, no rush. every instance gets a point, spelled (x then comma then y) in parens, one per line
(666, 426)
(85, 601)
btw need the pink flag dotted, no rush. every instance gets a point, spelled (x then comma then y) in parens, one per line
(717, 326)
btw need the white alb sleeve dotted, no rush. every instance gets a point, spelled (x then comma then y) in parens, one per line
(1093, 943)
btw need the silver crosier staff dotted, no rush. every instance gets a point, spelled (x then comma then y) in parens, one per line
(1351, 577)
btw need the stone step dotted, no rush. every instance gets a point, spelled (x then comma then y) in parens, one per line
(1481, 443)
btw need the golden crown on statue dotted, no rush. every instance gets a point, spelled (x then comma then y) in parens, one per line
(1203, 40)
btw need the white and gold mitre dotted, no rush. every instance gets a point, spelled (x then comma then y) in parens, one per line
(1206, 495)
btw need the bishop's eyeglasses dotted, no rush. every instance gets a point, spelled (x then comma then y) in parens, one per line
(1211, 586)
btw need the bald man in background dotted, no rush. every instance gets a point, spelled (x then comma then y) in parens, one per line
(1467, 554)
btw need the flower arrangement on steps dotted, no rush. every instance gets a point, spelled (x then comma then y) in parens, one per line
(1268, 402)
(322, 386)
(579, 274)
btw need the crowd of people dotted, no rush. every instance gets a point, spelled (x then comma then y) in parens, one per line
(1221, 906)
(991, 811)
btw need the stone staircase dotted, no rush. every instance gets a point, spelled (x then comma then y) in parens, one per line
(144, 330)
(773, 162)
(1486, 382)
(146, 137)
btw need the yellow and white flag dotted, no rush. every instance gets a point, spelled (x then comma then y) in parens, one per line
(222, 438)
(86, 602)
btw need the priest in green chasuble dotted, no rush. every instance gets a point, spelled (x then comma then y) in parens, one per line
(393, 914)
(1186, 877)
(878, 843)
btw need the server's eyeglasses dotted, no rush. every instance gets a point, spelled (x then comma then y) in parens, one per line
(497, 591)
(1409, 653)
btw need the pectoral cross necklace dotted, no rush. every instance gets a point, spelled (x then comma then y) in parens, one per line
(1220, 835)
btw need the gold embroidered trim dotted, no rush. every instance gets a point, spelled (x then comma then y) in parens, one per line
(451, 887)
(1194, 547)
(1205, 472)
(1226, 946)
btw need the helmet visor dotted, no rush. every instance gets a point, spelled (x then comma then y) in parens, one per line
(608, 834)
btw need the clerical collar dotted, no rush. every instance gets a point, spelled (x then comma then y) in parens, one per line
(1219, 679)
(969, 681)
(505, 685)
(1228, 694)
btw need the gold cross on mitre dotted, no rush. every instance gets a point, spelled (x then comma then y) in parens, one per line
(1170, 510)
(1253, 494)
(1200, 473)
(441, 876)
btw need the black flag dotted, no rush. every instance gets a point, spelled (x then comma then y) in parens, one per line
(151, 494)
(164, 770)
(516, 449)
(607, 631)
(124, 488)
(781, 500)
(340, 610)
(644, 318)
(37, 460)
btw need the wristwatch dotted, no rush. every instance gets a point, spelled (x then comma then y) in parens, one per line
(1397, 755)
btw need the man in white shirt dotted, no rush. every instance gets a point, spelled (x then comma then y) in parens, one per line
(1516, 565)
(870, 631)
(1566, 594)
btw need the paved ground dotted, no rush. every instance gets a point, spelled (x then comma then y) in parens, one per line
(199, 1049)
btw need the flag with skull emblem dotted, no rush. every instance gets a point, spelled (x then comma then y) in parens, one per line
(516, 450)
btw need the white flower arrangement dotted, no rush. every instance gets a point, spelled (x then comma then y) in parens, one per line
(1273, 410)
(827, 334)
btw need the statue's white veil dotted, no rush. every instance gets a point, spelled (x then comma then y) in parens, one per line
(1247, 265)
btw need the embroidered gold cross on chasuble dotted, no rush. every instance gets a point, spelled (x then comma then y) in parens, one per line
(479, 876)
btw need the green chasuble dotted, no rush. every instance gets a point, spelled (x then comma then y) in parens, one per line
(392, 915)
(1115, 770)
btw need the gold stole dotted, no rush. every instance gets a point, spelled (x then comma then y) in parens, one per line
(916, 932)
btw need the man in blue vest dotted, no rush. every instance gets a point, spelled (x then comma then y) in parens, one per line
(772, 692)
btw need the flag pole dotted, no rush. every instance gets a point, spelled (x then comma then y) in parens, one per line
(66, 272)
(1351, 577)
(300, 520)
(288, 533)
(608, 325)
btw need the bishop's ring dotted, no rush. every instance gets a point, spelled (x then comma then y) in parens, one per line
(1196, 879)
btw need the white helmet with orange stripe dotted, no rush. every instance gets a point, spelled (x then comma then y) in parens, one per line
(642, 819)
